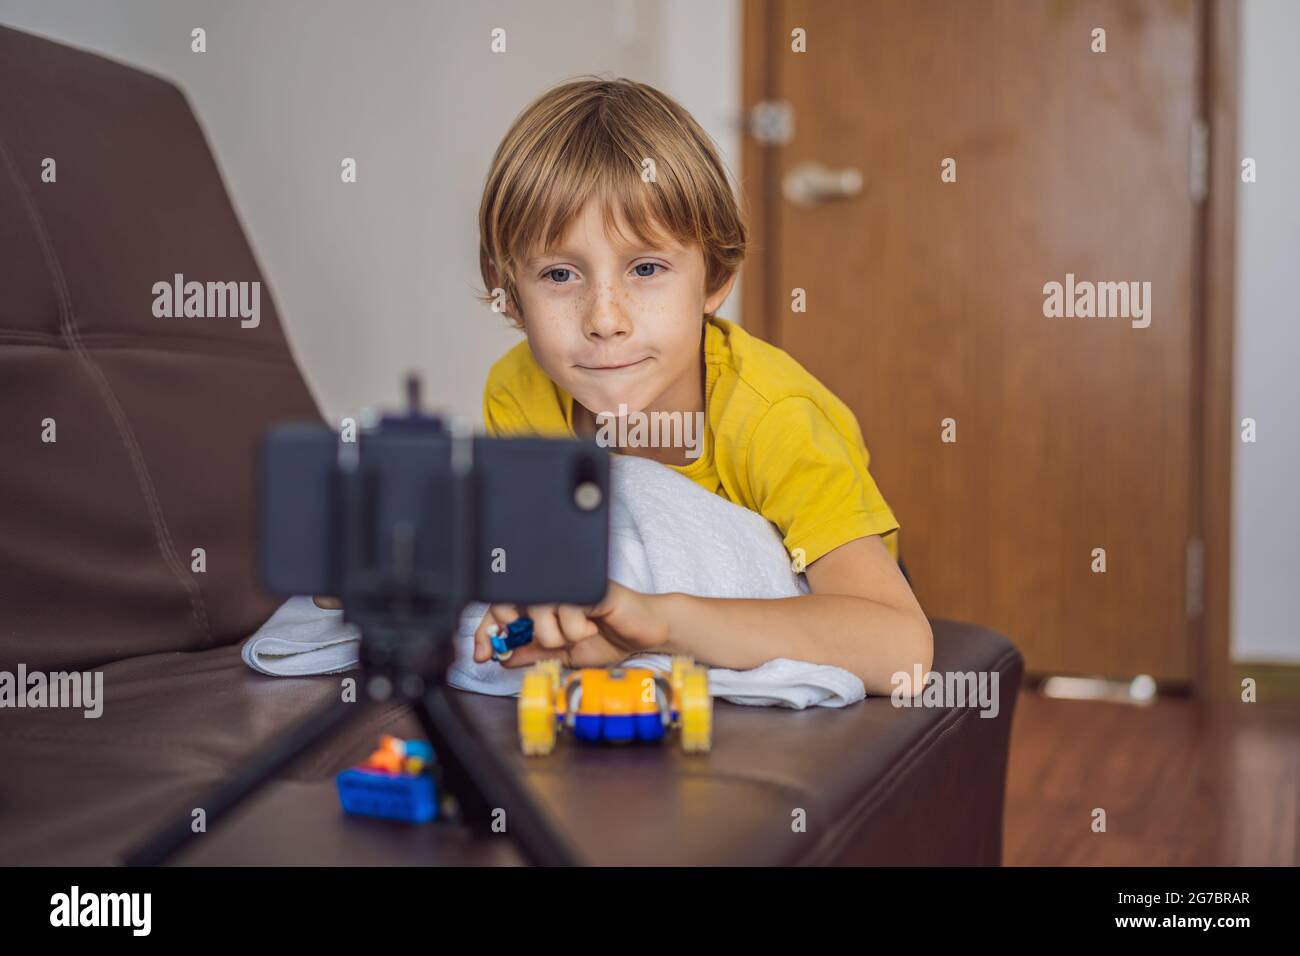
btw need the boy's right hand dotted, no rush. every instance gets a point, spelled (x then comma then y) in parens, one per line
(328, 603)
(558, 631)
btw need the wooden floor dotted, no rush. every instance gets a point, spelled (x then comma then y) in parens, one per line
(1182, 783)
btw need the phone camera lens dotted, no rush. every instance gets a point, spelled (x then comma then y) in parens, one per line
(587, 496)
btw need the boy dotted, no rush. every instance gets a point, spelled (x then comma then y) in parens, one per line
(610, 235)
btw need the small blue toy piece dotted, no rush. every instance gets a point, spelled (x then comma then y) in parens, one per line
(420, 748)
(518, 633)
(394, 783)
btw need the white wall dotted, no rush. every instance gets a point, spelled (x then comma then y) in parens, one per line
(1266, 480)
(379, 276)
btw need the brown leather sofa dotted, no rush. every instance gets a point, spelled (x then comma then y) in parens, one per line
(155, 424)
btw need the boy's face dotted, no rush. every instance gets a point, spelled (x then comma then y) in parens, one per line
(593, 303)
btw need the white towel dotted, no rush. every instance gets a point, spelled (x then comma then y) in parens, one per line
(666, 534)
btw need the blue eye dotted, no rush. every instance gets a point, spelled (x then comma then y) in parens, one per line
(559, 276)
(647, 265)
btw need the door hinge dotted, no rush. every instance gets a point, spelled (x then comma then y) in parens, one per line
(1195, 578)
(1198, 167)
(771, 122)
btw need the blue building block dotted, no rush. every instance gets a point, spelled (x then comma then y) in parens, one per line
(411, 798)
(420, 748)
(518, 633)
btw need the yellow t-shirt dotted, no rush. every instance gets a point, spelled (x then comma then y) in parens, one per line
(776, 440)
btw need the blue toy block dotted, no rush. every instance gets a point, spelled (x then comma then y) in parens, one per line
(518, 633)
(420, 748)
(411, 798)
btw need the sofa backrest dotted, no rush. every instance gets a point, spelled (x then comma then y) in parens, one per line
(128, 439)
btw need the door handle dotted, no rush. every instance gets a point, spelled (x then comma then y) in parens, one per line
(810, 183)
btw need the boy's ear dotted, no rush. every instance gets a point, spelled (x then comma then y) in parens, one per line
(714, 302)
(511, 307)
(513, 312)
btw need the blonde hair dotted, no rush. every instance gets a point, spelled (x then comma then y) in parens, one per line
(589, 137)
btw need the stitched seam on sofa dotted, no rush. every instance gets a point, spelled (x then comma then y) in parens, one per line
(1006, 660)
(655, 770)
(140, 343)
(863, 808)
(163, 743)
(385, 717)
(889, 784)
(68, 325)
(872, 798)
(37, 736)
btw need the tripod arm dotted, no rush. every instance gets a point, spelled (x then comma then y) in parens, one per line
(470, 770)
(483, 785)
(275, 757)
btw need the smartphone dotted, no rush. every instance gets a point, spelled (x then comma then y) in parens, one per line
(517, 520)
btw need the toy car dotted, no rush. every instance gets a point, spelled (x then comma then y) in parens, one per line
(395, 782)
(615, 705)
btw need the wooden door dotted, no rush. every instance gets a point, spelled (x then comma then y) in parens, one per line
(925, 299)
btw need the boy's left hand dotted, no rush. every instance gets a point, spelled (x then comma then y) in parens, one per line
(625, 622)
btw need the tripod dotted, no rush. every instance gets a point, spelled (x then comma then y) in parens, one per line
(470, 771)
(407, 619)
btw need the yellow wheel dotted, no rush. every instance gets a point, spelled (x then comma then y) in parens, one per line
(696, 711)
(537, 712)
(682, 665)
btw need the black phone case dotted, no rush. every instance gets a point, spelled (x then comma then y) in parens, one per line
(529, 541)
